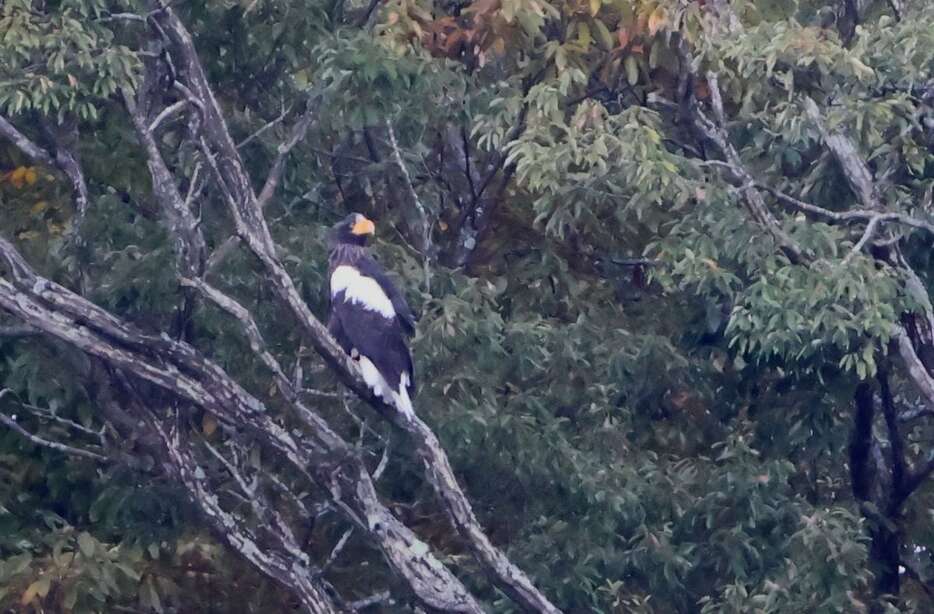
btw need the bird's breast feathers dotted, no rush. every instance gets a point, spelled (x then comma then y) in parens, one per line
(360, 289)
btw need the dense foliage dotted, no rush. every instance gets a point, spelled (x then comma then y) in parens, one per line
(654, 393)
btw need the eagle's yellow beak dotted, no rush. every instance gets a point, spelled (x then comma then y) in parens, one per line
(363, 226)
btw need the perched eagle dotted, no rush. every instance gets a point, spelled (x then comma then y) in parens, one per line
(369, 316)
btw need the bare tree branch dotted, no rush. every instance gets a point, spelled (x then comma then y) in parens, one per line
(65, 159)
(299, 130)
(300, 578)
(424, 219)
(13, 425)
(867, 235)
(190, 244)
(854, 169)
(717, 133)
(916, 371)
(851, 215)
(165, 114)
(24, 143)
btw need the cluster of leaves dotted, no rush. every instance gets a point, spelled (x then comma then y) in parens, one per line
(61, 62)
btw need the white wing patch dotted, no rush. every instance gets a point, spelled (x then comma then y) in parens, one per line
(381, 388)
(362, 290)
(403, 402)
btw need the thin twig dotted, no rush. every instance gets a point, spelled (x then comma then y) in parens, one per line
(166, 113)
(422, 211)
(248, 489)
(371, 601)
(867, 235)
(53, 445)
(854, 215)
(335, 552)
(267, 126)
(48, 415)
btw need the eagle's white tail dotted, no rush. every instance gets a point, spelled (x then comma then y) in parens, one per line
(402, 401)
(381, 387)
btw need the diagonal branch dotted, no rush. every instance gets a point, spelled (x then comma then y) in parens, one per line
(190, 244)
(299, 578)
(65, 159)
(857, 173)
(24, 143)
(299, 130)
(13, 425)
(716, 132)
(916, 370)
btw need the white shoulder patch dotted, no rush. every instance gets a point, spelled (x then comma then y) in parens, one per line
(362, 290)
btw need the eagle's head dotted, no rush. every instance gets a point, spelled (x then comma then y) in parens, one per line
(352, 230)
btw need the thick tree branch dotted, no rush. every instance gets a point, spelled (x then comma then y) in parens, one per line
(916, 371)
(296, 575)
(857, 173)
(24, 143)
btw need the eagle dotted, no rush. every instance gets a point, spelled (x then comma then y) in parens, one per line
(368, 316)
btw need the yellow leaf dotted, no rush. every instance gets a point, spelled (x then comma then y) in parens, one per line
(18, 177)
(595, 7)
(208, 424)
(39, 588)
(657, 20)
(39, 207)
(30, 175)
(392, 19)
(442, 225)
(29, 594)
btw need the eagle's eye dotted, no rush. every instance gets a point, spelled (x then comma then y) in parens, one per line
(362, 226)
